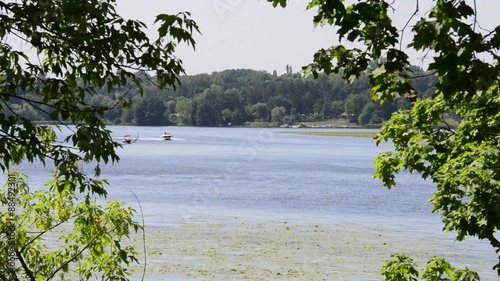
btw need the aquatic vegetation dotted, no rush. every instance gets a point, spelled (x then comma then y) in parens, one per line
(240, 248)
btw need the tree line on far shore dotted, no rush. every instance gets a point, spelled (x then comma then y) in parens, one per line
(238, 96)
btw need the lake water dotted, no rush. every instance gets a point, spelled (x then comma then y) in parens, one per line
(260, 173)
(262, 170)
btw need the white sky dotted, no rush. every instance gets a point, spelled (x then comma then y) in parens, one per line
(252, 34)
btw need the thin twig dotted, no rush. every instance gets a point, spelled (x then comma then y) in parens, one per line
(143, 233)
(423, 75)
(40, 234)
(475, 16)
(407, 23)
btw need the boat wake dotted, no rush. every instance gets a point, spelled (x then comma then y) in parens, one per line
(157, 139)
(152, 139)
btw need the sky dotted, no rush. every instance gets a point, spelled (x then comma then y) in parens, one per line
(253, 34)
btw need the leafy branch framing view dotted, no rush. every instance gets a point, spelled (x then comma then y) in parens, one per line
(77, 48)
(462, 161)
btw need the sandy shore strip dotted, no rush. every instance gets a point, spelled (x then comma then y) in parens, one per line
(237, 248)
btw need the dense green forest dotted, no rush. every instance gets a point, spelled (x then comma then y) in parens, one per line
(238, 96)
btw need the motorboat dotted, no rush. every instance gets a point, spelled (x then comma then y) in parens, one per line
(127, 139)
(166, 136)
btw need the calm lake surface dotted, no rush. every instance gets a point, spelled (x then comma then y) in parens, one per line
(261, 173)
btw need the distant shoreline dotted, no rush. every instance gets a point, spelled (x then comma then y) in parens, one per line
(353, 134)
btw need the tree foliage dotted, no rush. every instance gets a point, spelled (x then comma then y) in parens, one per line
(462, 161)
(55, 57)
(239, 92)
(403, 268)
(92, 239)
